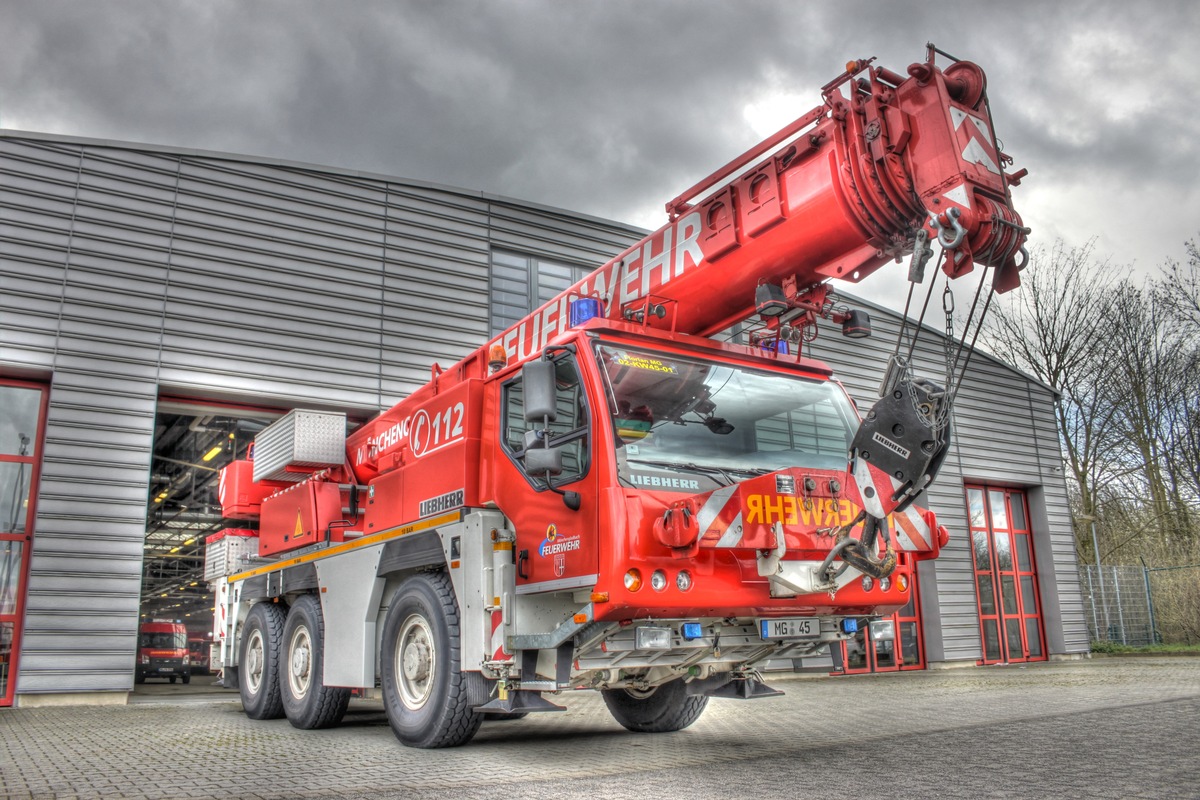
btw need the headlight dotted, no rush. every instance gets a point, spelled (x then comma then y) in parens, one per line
(658, 581)
(683, 581)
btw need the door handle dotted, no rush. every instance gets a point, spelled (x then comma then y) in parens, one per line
(523, 564)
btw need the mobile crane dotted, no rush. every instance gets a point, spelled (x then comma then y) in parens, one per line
(604, 496)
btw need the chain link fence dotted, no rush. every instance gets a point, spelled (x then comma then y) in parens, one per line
(1137, 605)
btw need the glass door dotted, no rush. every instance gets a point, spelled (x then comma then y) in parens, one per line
(22, 412)
(1010, 616)
(888, 644)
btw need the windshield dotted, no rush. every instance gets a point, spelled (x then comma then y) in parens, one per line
(686, 424)
(164, 641)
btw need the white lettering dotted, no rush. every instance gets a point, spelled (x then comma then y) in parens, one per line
(661, 262)
(688, 243)
(629, 277)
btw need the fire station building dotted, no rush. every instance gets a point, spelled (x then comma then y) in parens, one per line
(160, 306)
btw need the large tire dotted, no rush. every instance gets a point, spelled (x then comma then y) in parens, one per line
(427, 697)
(307, 701)
(258, 664)
(187, 677)
(661, 710)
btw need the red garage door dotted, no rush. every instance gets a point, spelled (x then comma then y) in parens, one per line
(1010, 613)
(22, 411)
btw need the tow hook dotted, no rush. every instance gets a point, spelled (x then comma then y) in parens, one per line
(858, 553)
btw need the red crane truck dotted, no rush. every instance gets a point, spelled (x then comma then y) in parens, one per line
(605, 497)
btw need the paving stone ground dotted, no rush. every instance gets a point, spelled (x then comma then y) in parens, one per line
(1098, 729)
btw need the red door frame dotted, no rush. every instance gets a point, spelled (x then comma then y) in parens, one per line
(25, 537)
(1005, 575)
(910, 615)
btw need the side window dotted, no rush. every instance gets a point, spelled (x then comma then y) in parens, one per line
(568, 431)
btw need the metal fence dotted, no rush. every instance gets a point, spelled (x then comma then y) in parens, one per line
(1139, 605)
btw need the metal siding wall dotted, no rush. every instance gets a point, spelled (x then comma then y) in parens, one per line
(85, 573)
(275, 290)
(434, 285)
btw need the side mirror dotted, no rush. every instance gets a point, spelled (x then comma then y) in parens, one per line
(544, 461)
(540, 403)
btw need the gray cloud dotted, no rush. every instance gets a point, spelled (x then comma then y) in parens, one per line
(613, 107)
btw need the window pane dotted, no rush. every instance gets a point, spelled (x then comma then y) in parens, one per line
(1023, 561)
(1008, 592)
(10, 579)
(885, 654)
(975, 508)
(991, 640)
(999, 513)
(14, 496)
(6, 647)
(980, 541)
(1016, 503)
(987, 597)
(1034, 637)
(1003, 550)
(1013, 628)
(1028, 596)
(910, 646)
(19, 409)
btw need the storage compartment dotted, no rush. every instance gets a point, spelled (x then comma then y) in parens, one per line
(298, 444)
(225, 550)
(300, 516)
(239, 495)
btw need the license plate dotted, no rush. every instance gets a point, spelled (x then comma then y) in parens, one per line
(791, 628)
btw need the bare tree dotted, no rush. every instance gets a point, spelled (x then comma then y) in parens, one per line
(1054, 328)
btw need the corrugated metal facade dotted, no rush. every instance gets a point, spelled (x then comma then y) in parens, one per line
(128, 272)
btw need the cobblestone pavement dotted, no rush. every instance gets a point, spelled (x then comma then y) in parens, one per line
(1098, 729)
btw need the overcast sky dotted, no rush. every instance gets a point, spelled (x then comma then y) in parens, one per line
(613, 107)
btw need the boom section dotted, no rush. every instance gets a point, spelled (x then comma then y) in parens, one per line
(839, 193)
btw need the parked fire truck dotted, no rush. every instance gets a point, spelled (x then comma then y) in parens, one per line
(606, 497)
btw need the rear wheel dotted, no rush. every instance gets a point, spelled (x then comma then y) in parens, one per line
(307, 701)
(428, 698)
(660, 710)
(172, 679)
(257, 666)
(187, 677)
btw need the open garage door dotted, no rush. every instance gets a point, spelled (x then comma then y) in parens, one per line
(192, 441)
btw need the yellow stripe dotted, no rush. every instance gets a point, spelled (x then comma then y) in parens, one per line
(366, 541)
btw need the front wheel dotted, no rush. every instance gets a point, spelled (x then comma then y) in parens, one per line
(660, 710)
(259, 684)
(307, 701)
(428, 698)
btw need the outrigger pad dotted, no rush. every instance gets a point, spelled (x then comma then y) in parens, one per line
(732, 688)
(518, 703)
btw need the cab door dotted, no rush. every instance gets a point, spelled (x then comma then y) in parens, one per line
(556, 545)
